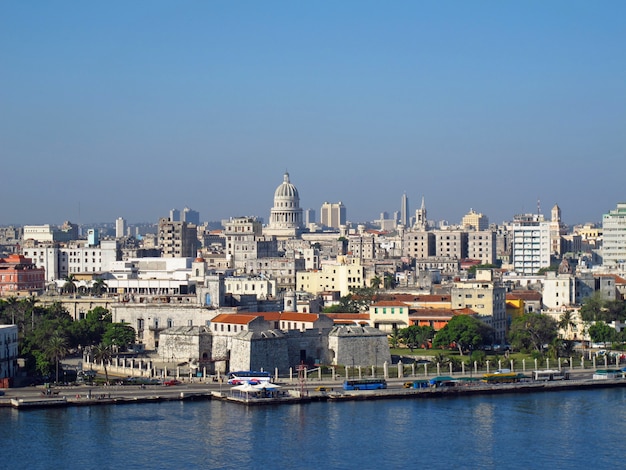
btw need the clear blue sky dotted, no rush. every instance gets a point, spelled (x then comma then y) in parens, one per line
(131, 108)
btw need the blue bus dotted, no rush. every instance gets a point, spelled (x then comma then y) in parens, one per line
(365, 384)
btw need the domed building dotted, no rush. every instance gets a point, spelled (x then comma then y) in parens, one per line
(286, 215)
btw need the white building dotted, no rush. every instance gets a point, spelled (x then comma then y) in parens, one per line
(74, 258)
(286, 214)
(530, 246)
(120, 227)
(614, 237)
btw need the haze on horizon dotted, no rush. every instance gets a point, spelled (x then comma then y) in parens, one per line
(129, 109)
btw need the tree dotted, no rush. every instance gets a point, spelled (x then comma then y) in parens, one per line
(389, 281)
(600, 332)
(102, 353)
(567, 323)
(465, 331)
(98, 287)
(56, 350)
(416, 336)
(118, 335)
(375, 282)
(532, 330)
(69, 287)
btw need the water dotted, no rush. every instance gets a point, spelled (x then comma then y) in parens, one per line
(562, 430)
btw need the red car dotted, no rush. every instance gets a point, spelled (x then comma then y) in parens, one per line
(169, 383)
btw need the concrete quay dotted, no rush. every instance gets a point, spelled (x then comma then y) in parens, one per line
(84, 395)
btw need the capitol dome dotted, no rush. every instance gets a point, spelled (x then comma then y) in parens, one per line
(286, 214)
(286, 190)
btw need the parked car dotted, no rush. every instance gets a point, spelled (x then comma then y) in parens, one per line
(169, 383)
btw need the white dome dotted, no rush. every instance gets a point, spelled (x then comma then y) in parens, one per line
(286, 190)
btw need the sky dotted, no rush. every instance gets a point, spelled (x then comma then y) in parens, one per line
(129, 109)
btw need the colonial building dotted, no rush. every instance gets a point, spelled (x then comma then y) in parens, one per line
(20, 274)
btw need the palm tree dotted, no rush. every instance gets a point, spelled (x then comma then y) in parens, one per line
(375, 282)
(70, 284)
(98, 287)
(56, 350)
(567, 322)
(102, 353)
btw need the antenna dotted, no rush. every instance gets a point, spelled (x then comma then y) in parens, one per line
(538, 207)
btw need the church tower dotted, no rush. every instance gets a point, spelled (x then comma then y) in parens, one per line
(421, 223)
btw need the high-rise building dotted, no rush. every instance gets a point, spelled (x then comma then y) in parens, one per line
(614, 236)
(404, 210)
(177, 239)
(530, 243)
(333, 214)
(475, 221)
(309, 216)
(175, 215)
(190, 216)
(120, 228)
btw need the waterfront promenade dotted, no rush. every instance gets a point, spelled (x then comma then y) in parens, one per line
(86, 395)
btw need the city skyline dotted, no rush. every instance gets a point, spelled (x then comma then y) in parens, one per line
(127, 110)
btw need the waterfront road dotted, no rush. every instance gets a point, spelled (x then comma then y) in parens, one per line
(90, 393)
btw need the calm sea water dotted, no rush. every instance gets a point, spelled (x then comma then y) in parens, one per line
(559, 430)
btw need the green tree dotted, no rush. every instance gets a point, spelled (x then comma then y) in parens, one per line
(98, 287)
(465, 331)
(118, 335)
(69, 287)
(375, 282)
(532, 331)
(566, 322)
(600, 332)
(102, 353)
(56, 349)
(416, 336)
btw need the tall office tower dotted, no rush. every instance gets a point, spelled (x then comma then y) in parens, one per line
(190, 216)
(475, 221)
(333, 214)
(120, 227)
(614, 241)
(175, 215)
(404, 210)
(309, 216)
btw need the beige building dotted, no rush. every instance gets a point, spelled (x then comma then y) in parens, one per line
(451, 244)
(481, 245)
(333, 215)
(177, 239)
(389, 315)
(484, 296)
(245, 241)
(339, 277)
(475, 221)
(419, 244)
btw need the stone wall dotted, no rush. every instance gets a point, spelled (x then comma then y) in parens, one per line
(358, 346)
